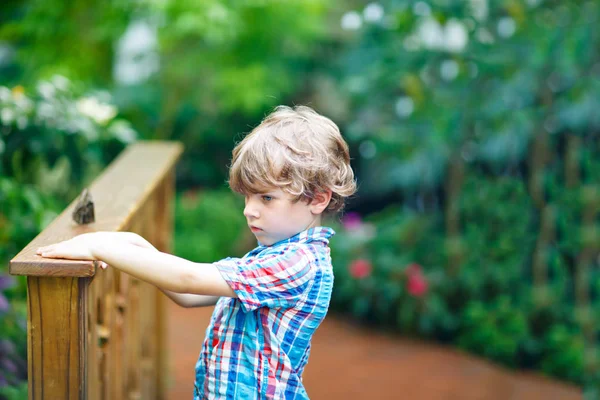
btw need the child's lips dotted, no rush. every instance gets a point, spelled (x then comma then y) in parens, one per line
(255, 229)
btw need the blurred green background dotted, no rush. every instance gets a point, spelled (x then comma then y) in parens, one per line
(473, 126)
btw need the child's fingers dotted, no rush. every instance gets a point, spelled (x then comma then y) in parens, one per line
(49, 254)
(47, 249)
(44, 249)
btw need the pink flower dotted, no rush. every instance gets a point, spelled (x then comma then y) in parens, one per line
(360, 268)
(352, 221)
(414, 269)
(416, 285)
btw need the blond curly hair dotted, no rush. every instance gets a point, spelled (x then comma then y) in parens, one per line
(297, 150)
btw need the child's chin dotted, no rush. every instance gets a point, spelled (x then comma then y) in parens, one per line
(263, 240)
(267, 241)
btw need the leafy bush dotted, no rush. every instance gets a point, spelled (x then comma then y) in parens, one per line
(18, 392)
(52, 142)
(54, 136)
(197, 72)
(396, 268)
(13, 345)
(24, 212)
(210, 225)
(476, 119)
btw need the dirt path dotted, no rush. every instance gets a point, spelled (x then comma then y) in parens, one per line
(350, 362)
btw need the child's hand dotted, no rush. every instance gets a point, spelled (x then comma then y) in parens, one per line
(78, 248)
(82, 247)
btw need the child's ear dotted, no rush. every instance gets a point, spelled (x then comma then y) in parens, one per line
(320, 202)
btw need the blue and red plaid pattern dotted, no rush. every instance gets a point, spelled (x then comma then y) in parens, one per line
(257, 345)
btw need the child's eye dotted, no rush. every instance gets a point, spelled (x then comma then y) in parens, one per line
(267, 198)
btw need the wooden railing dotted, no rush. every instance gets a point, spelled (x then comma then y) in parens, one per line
(100, 334)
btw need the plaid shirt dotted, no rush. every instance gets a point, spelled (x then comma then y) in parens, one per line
(257, 345)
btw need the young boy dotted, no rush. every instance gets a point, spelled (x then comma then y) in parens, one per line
(292, 169)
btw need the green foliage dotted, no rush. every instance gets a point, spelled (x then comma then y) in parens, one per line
(495, 331)
(246, 63)
(13, 345)
(223, 63)
(248, 58)
(74, 39)
(56, 134)
(477, 118)
(209, 225)
(18, 392)
(490, 305)
(24, 212)
(497, 231)
(564, 353)
(423, 81)
(53, 140)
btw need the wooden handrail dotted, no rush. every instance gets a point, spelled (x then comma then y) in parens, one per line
(117, 193)
(101, 335)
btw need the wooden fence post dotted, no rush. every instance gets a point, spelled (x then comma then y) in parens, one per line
(101, 335)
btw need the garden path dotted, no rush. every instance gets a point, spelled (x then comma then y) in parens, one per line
(350, 362)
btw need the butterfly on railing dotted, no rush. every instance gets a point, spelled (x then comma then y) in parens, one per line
(84, 209)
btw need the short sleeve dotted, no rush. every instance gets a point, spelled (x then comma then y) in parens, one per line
(274, 280)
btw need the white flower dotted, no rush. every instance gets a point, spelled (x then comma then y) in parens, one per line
(456, 36)
(422, 9)
(506, 27)
(404, 106)
(451, 37)
(449, 70)
(22, 122)
(100, 113)
(5, 93)
(137, 58)
(45, 110)
(431, 34)
(23, 102)
(351, 21)
(60, 82)
(7, 116)
(123, 132)
(480, 10)
(46, 90)
(373, 12)
(84, 127)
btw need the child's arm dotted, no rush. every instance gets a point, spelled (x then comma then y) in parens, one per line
(163, 270)
(183, 299)
(191, 300)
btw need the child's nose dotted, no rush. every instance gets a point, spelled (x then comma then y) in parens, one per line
(250, 211)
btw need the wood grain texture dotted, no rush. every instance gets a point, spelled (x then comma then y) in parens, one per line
(55, 338)
(118, 193)
(99, 334)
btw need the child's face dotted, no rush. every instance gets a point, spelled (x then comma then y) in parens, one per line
(274, 216)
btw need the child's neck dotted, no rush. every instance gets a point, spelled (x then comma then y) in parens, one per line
(315, 222)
